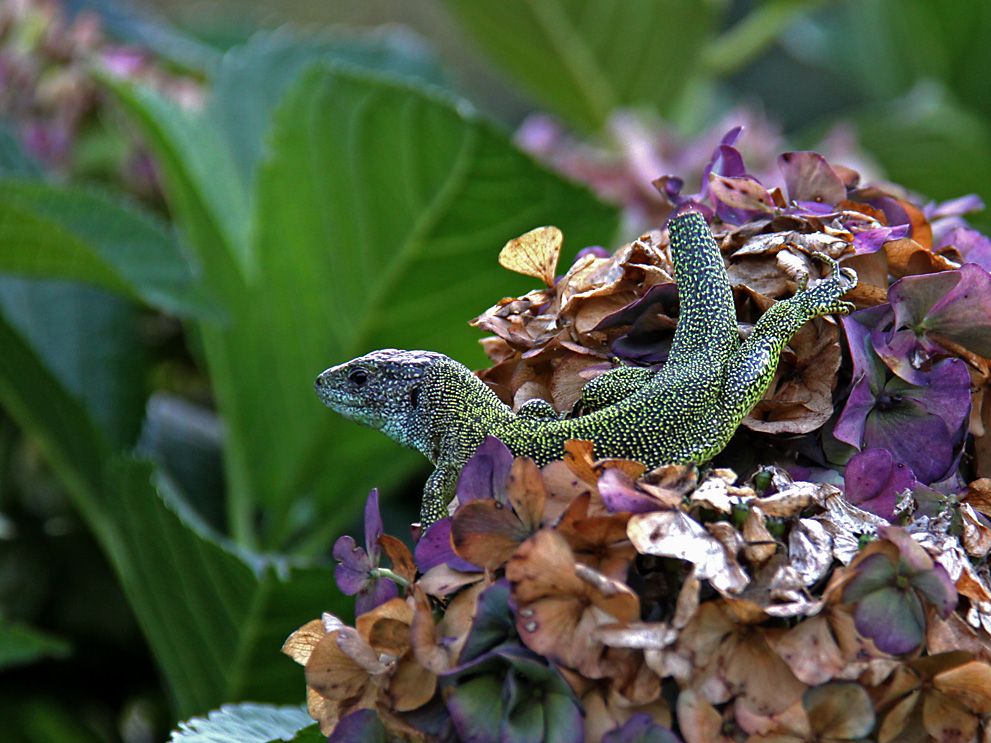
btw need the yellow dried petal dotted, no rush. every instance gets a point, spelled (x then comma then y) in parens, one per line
(534, 253)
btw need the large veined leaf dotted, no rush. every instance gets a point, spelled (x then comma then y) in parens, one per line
(271, 61)
(378, 219)
(245, 723)
(89, 340)
(57, 232)
(215, 617)
(582, 59)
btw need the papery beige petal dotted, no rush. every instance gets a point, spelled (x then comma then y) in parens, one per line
(534, 253)
(675, 534)
(810, 550)
(300, 643)
(810, 651)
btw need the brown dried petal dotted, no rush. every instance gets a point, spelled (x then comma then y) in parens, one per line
(760, 543)
(341, 666)
(810, 650)
(698, 720)
(486, 533)
(612, 596)
(442, 580)
(401, 557)
(970, 684)
(945, 718)
(411, 687)
(979, 495)
(906, 257)
(800, 398)
(534, 253)
(795, 498)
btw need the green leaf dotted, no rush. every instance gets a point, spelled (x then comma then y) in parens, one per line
(89, 340)
(215, 617)
(584, 59)
(269, 62)
(932, 144)
(378, 219)
(206, 194)
(20, 644)
(245, 723)
(57, 232)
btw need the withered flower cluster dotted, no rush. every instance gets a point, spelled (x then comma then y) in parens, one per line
(825, 579)
(50, 95)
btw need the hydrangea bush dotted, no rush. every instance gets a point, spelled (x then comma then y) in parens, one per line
(824, 578)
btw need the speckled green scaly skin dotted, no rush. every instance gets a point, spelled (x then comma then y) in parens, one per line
(686, 412)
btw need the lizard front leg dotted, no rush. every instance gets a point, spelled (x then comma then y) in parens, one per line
(751, 369)
(438, 492)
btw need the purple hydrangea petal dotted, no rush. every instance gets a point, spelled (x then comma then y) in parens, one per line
(375, 592)
(872, 240)
(640, 728)
(963, 314)
(493, 624)
(850, 425)
(859, 327)
(619, 495)
(476, 708)
(974, 246)
(873, 573)
(352, 571)
(915, 437)
(362, 726)
(938, 589)
(808, 177)
(434, 548)
(486, 473)
(893, 618)
(946, 393)
(739, 199)
(373, 526)
(873, 480)
(954, 207)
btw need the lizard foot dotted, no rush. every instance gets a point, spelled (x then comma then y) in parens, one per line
(824, 297)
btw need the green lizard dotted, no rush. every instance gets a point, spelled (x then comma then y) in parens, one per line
(686, 412)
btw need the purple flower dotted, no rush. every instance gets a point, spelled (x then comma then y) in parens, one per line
(973, 246)
(890, 585)
(500, 690)
(931, 313)
(921, 425)
(640, 728)
(873, 481)
(810, 180)
(485, 475)
(356, 569)
(434, 548)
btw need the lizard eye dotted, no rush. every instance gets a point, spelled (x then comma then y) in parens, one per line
(358, 377)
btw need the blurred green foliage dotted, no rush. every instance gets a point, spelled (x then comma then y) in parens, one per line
(336, 195)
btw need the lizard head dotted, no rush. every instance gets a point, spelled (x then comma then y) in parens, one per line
(382, 390)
